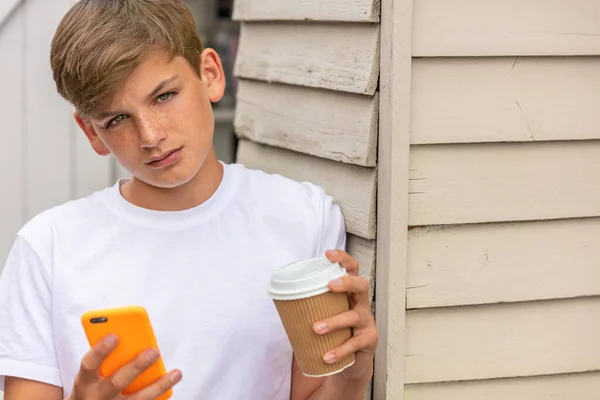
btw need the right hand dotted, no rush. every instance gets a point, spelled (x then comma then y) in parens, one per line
(90, 385)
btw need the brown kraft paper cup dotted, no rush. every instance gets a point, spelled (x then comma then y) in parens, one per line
(303, 308)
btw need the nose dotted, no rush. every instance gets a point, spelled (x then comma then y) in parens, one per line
(150, 132)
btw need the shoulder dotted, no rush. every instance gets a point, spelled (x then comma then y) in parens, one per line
(73, 216)
(274, 190)
(304, 208)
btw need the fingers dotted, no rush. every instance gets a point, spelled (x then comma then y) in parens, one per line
(116, 383)
(159, 387)
(366, 341)
(90, 363)
(348, 319)
(350, 284)
(350, 347)
(344, 259)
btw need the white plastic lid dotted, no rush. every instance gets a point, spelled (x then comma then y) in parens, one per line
(304, 279)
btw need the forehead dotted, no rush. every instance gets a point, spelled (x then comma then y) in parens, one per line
(154, 69)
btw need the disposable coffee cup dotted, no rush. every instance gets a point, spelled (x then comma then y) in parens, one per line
(302, 297)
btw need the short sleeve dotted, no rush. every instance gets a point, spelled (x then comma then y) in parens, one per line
(332, 227)
(26, 338)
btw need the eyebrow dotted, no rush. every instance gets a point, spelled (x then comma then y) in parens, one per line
(154, 92)
(161, 86)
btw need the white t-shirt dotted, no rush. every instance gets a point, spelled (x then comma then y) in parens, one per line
(202, 275)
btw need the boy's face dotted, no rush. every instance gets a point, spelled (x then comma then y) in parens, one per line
(159, 125)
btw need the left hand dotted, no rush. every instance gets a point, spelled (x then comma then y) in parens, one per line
(364, 340)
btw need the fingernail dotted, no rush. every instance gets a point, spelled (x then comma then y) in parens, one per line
(329, 358)
(321, 327)
(151, 355)
(111, 340)
(336, 283)
(332, 253)
(175, 377)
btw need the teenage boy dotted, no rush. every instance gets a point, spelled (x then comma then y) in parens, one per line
(189, 238)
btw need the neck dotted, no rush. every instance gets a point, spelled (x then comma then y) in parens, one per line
(191, 194)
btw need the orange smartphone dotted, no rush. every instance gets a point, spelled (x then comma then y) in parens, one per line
(134, 330)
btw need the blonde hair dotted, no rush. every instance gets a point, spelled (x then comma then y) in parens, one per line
(99, 43)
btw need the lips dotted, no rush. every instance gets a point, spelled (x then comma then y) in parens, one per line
(165, 160)
(163, 156)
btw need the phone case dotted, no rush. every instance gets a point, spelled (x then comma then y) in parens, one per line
(134, 330)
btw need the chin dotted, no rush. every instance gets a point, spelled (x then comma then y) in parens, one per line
(173, 178)
(170, 180)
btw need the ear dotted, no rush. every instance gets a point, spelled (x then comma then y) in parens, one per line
(87, 128)
(212, 73)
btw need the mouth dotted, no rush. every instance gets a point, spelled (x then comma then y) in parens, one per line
(165, 159)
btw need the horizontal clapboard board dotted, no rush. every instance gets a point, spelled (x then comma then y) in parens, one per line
(341, 57)
(468, 183)
(505, 99)
(512, 27)
(502, 341)
(500, 263)
(339, 126)
(311, 10)
(584, 386)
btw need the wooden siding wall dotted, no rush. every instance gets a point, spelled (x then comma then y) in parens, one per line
(503, 277)
(46, 160)
(307, 105)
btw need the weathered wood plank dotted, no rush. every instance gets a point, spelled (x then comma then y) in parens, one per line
(327, 124)
(331, 56)
(505, 340)
(363, 250)
(392, 198)
(585, 386)
(511, 27)
(47, 135)
(351, 186)
(302, 10)
(455, 184)
(499, 263)
(505, 99)
(11, 107)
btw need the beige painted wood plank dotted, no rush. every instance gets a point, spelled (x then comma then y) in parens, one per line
(455, 184)
(11, 113)
(505, 340)
(585, 386)
(48, 139)
(351, 186)
(302, 10)
(363, 250)
(327, 124)
(392, 197)
(341, 57)
(470, 100)
(511, 27)
(498, 263)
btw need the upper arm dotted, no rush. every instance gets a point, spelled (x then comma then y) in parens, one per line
(23, 389)
(332, 226)
(26, 336)
(302, 386)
